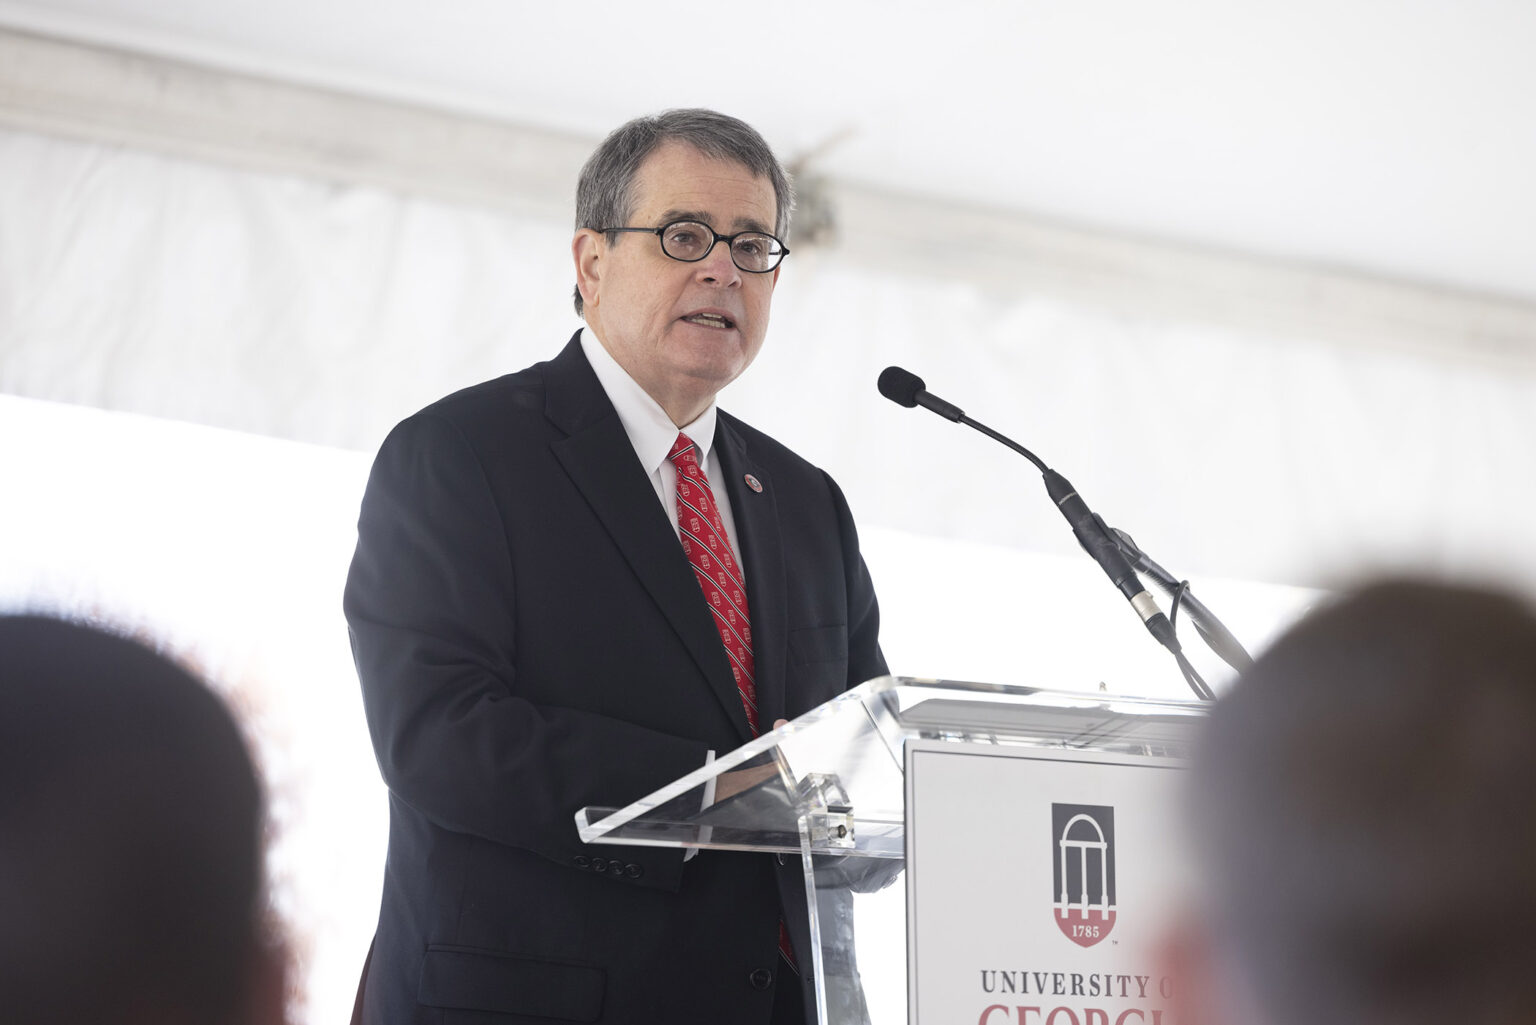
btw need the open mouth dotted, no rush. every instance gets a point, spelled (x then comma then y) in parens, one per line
(716, 320)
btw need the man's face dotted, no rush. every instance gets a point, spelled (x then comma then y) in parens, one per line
(650, 311)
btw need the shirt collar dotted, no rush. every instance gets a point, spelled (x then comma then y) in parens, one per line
(651, 431)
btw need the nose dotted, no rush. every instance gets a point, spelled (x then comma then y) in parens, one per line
(717, 267)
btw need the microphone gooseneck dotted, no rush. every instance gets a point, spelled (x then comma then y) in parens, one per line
(907, 389)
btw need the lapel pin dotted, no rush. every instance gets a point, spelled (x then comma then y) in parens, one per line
(753, 483)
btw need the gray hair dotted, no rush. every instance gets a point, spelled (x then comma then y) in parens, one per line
(605, 190)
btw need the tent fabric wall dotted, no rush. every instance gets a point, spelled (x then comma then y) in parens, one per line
(282, 305)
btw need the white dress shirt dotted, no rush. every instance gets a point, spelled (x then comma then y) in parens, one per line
(652, 433)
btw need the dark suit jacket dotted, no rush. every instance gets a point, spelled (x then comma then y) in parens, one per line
(531, 639)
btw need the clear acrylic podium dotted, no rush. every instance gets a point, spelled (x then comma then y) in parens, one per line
(832, 791)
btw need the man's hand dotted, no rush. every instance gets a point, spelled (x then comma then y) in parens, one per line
(729, 784)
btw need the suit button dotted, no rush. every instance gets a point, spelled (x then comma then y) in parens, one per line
(599, 864)
(616, 867)
(581, 861)
(760, 978)
(634, 871)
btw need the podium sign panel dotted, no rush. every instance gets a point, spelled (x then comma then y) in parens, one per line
(1037, 881)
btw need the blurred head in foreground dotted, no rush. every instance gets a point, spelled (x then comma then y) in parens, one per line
(130, 839)
(1365, 811)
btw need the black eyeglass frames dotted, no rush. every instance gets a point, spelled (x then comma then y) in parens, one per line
(755, 252)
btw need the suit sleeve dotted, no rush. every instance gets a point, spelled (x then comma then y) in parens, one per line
(430, 607)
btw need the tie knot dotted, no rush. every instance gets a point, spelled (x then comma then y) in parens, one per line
(683, 451)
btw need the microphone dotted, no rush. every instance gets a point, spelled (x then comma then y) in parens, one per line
(906, 389)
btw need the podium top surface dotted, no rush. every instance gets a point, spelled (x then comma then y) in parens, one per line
(841, 764)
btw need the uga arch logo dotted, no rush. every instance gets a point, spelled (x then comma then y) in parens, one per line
(1083, 860)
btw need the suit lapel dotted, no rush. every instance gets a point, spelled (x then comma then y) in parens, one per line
(600, 460)
(757, 529)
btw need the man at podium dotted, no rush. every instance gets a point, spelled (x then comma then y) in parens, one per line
(572, 585)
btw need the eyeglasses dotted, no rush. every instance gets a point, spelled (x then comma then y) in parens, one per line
(755, 252)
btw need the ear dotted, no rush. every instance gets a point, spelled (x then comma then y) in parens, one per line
(776, 274)
(588, 249)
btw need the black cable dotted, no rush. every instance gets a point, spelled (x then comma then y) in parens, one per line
(1178, 599)
(1216, 636)
(1196, 683)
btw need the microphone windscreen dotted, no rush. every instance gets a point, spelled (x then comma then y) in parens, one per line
(900, 386)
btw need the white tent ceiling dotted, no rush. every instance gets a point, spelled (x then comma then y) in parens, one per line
(1393, 137)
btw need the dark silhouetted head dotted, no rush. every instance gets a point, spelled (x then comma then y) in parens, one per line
(130, 838)
(1365, 804)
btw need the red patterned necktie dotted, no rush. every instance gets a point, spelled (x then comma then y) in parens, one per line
(714, 566)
